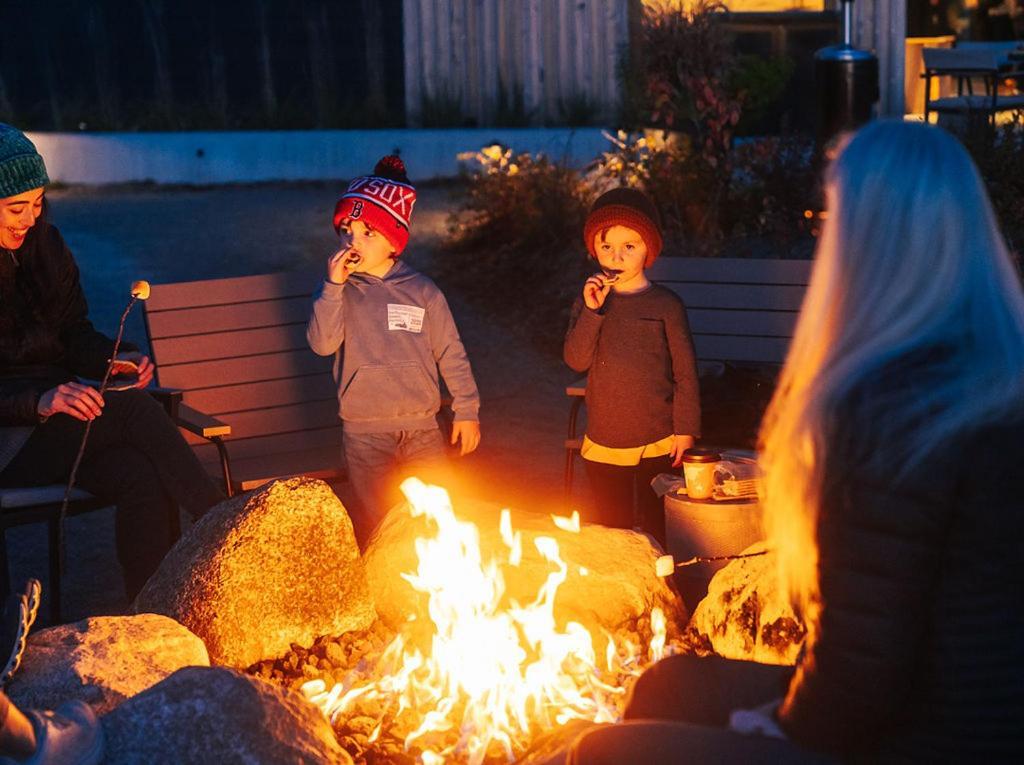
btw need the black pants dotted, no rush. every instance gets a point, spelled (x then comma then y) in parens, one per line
(624, 498)
(679, 712)
(137, 460)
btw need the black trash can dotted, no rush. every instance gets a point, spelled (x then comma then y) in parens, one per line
(846, 81)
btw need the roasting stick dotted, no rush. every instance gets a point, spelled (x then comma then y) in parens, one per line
(666, 564)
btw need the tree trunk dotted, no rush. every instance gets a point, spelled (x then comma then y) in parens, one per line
(373, 42)
(320, 59)
(218, 86)
(6, 111)
(50, 76)
(266, 65)
(156, 33)
(106, 86)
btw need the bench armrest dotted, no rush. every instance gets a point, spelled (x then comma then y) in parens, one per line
(201, 424)
(169, 398)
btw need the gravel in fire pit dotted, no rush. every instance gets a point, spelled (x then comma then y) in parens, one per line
(352, 659)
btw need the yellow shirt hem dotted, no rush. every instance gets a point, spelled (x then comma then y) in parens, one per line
(626, 456)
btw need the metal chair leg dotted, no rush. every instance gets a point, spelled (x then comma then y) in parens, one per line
(56, 562)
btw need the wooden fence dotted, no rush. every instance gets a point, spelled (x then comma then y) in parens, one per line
(512, 62)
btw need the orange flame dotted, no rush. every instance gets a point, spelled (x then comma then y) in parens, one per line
(494, 677)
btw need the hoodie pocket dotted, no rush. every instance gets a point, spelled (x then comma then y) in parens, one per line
(390, 391)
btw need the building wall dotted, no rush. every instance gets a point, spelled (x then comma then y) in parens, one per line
(509, 60)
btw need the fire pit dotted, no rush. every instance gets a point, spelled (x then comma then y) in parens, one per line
(483, 675)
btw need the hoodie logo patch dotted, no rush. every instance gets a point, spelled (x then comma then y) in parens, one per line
(407, 318)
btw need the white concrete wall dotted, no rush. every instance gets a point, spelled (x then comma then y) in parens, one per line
(205, 158)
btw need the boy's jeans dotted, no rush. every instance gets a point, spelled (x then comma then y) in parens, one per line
(377, 461)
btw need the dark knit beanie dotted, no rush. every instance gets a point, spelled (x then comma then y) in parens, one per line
(21, 167)
(383, 201)
(624, 207)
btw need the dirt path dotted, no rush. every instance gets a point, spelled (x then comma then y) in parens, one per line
(166, 235)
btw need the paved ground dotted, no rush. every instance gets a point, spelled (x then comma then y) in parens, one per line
(164, 235)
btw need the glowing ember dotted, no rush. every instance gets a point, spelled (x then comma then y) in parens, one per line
(493, 678)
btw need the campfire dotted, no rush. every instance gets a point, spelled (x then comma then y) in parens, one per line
(485, 675)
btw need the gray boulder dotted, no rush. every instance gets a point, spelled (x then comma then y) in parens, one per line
(746, 615)
(217, 716)
(262, 571)
(102, 660)
(611, 581)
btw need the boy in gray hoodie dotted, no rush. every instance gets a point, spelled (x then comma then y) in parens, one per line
(390, 331)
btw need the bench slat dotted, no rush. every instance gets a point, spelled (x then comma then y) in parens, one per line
(751, 323)
(280, 443)
(245, 369)
(280, 419)
(725, 348)
(239, 398)
(322, 463)
(178, 322)
(226, 345)
(739, 296)
(731, 270)
(237, 289)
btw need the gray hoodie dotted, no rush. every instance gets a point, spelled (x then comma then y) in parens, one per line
(390, 336)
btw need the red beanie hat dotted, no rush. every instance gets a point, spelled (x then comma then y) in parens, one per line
(624, 207)
(383, 201)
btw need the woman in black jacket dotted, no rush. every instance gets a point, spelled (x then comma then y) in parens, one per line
(135, 456)
(891, 495)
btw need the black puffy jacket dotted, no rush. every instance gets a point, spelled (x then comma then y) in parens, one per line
(46, 337)
(920, 652)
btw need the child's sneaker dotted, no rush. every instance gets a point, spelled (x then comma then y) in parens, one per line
(19, 614)
(70, 735)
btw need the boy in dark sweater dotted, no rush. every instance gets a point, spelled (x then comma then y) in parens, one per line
(632, 337)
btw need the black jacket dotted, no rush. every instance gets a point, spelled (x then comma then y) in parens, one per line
(920, 652)
(46, 337)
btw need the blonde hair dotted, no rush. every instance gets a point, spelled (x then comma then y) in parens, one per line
(911, 268)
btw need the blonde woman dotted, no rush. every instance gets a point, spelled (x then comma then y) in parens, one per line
(892, 453)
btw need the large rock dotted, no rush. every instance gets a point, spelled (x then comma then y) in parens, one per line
(218, 716)
(102, 660)
(746, 615)
(611, 582)
(262, 571)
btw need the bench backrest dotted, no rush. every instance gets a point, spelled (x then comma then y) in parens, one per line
(237, 348)
(739, 309)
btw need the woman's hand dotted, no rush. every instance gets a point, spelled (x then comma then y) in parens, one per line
(342, 264)
(144, 365)
(679, 445)
(80, 401)
(595, 290)
(467, 434)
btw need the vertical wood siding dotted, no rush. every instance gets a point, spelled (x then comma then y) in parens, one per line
(549, 53)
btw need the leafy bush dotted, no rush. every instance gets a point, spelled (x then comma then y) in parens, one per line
(514, 247)
(1000, 160)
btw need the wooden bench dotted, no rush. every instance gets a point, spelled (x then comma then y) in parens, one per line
(741, 311)
(236, 348)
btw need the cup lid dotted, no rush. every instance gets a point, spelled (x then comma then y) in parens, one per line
(701, 454)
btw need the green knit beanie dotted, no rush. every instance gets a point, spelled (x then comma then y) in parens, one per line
(21, 167)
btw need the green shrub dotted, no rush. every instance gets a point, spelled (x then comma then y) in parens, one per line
(1000, 160)
(514, 246)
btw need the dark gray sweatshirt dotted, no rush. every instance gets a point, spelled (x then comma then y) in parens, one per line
(390, 336)
(642, 381)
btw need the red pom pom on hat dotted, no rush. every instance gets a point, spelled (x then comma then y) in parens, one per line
(391, 167)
